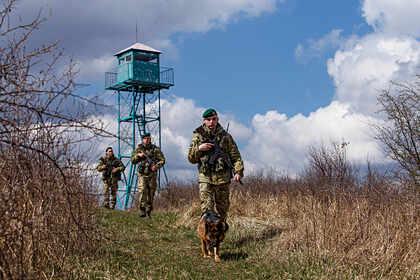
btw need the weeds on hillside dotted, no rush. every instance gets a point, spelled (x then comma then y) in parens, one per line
(368, 223)
(45, 216)
(46, 212)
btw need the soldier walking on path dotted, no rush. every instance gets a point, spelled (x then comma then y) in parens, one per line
(111, 168)
(218, 159)
(149, 159)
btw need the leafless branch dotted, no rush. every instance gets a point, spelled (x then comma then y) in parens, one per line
(401, 133)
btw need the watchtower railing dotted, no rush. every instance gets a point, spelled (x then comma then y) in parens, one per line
(125, 74)
(167, 76)
(110, 79)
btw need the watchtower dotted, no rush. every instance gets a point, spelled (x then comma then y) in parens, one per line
(137, 82)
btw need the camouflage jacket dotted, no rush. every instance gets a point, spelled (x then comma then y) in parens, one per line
(154, 156)
(106, 165)
(216, 165)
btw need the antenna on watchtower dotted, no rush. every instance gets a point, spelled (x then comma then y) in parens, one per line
(137, 39)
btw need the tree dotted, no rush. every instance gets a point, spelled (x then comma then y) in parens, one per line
(46, 206)
(400, 135)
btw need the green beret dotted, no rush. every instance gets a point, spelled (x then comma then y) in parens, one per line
(209, 113)
(147, 134)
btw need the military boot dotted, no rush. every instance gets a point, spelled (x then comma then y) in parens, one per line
(148, 213)
(113, 203)
(226, 227)
(142, 213)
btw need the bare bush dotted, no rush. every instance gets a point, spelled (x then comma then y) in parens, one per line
(46, 210)
(328, 167)
(176, 196)
(401, 134)
(45, 216)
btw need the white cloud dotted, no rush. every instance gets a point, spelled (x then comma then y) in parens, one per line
(272, 142)
(363, 66)
(96, 147)
(315, 48)
(180, 117)
(282, 143)
(363, 69)
(89, 30)
(360, 69)
(89, 69)
(399, 17)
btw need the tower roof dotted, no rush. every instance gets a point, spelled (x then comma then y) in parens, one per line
(140, 47)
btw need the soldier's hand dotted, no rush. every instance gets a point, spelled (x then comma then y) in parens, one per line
(114, 170)
(101, 168)
(237, 178)
(141, 154)
(153, 168)
(205, 147)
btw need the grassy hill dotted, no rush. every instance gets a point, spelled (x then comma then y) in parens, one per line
(280, 228)
(160, 248)
(166, 247)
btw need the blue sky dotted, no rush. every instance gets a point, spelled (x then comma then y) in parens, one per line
(250, 67)
(286, 74)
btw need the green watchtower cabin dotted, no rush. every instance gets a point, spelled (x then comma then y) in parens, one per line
(138, 82)
(139, 65)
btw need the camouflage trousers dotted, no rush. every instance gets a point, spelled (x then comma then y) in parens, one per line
(110, 186)
(147, 186)
(215, 198)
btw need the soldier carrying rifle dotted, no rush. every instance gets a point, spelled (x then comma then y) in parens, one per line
(149, 159)
(111, 168)
(217, 156)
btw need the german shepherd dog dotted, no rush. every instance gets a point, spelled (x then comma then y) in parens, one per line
(211, 230)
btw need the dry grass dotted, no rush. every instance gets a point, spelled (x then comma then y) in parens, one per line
(372, 227)
(45, 217)
(46, 212)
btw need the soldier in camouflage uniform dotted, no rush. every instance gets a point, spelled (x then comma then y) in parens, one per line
(149, 159)
(111, 168)
(218, 159)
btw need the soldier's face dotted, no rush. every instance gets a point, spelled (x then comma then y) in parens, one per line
(109, 153)
(147, 140)
(211, 122)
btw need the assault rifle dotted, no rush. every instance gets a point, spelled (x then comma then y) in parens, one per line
(219, 153)
(107, 169)
(150, 161)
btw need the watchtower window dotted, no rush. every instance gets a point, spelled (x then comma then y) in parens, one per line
(128, 58)
(121, 61)
(145, 58)
(139, 57)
